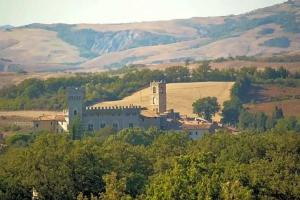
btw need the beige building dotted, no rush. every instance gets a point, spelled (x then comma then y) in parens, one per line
(197, 128)
(54, 124)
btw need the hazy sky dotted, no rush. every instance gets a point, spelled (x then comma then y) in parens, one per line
(20, 12)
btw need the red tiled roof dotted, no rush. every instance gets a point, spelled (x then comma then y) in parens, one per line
(196, 126)
(50, 118)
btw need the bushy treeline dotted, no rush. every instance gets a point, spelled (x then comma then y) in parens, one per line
(50, 94)
(150, 164)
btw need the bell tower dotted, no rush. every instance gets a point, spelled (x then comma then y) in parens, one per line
(75, 98)
(158, 96)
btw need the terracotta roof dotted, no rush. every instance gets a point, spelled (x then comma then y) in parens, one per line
(60, 118)
(195, 126)
(50, 118)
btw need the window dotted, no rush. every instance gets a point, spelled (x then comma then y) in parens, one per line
(130, 125)
(161, 90)
(102, 125)
(115, 125)
(75, 112)
(90, 127)
(154, 89)
(154, 100)
(36, 125)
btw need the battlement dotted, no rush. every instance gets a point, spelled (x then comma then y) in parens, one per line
(108, 110)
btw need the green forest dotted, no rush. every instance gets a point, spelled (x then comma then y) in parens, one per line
(151, 164)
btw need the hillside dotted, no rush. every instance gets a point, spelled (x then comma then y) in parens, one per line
(180, 96)
(48, 47)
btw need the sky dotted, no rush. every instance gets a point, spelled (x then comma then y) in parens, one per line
(21, 12)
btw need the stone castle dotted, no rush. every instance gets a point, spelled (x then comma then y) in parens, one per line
(120, 117)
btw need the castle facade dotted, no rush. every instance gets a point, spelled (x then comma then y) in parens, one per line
(93, 119)
(120, 117)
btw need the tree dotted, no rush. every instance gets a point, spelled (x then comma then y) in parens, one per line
(231, 111)
(261, 121)
(287, 124)
(277, 113)
(206, 107)
(177, 74)
(115, 188)
(76, 130)
(241, 87)
(246, 120)
(201, 73)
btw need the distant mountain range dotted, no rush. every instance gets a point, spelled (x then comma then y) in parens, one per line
(50, 47)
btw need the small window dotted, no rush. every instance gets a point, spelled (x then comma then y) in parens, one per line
(161, 90)
(36, 125)
(102, 125)
(90, 127)
(154, 89)
(115, 125)
(130, 125)
(75, 112)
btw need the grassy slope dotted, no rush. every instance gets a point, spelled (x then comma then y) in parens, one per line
(180, 96)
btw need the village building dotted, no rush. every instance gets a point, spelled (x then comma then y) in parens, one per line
(119, 117)
(197, 127)
(55, 124)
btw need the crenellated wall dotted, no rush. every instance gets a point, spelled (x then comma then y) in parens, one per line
(117, 117)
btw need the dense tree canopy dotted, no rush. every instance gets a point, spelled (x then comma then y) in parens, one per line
(151, 164)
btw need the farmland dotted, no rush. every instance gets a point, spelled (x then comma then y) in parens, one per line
(180, 96)
(265, 98)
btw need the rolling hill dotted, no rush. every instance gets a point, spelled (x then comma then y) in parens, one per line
(264, 32)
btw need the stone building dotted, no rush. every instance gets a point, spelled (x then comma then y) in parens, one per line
(116, 117)
(119, 117)
(159, 97)
(55, 124)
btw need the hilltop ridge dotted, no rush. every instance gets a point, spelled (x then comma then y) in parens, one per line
(49, 47)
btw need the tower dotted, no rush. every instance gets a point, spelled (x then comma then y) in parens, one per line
(75, 103)
(158, 96)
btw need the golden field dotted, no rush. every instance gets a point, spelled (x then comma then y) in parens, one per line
(180, 96)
